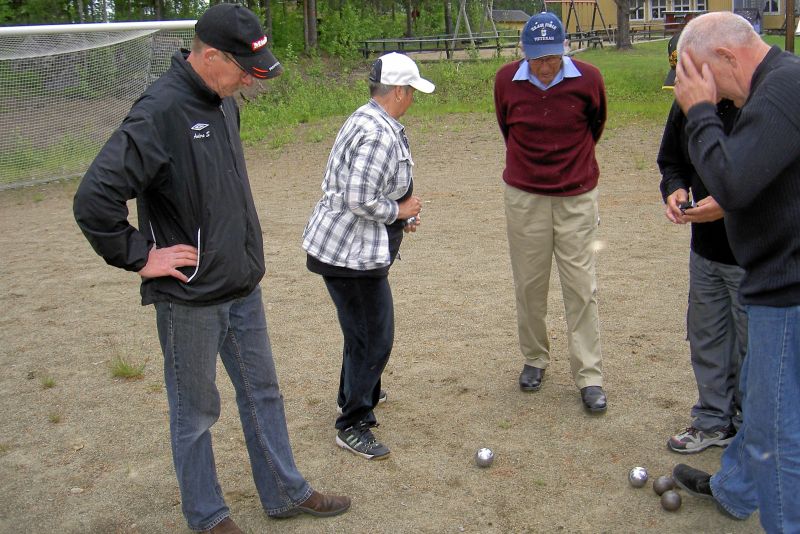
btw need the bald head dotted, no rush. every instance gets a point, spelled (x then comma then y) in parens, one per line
(711, 31)
(725, 51)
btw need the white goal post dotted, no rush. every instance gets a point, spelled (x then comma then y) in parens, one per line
(65, 88)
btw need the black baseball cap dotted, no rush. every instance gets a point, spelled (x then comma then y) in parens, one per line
(672, 55)
(234, 29)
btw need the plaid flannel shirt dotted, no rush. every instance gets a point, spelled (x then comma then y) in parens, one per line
(368, 169)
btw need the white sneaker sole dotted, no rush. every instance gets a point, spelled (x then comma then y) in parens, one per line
(347, 447)
(720, 443)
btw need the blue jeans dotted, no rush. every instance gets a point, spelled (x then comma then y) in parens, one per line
(366, 316)
(191, 337)
(761, 466)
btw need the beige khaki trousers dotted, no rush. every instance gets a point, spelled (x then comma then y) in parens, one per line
(540, 227)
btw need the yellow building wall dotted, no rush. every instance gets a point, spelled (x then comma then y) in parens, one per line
(608, 8)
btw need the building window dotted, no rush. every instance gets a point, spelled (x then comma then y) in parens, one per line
(683, 5)
(657, 8)
(772, 6)
(637, 10)
(701, 5)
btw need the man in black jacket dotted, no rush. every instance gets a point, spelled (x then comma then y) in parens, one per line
(716, 324)
(199, 253)
(754, 174)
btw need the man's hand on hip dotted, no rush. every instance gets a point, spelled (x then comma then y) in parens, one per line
(165, 262)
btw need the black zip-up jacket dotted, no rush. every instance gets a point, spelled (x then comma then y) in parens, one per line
(178, 153)
(709, 239)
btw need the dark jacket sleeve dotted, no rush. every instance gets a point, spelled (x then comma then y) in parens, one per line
(676, 169)
(128, 163)
(764, 141)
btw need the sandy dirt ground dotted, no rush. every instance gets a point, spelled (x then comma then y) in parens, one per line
(91, 453)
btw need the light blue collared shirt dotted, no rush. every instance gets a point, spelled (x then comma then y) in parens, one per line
(568, 70)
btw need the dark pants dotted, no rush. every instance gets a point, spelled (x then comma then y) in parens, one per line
(366, 316)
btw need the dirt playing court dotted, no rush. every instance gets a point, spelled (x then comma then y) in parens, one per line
(91, 453)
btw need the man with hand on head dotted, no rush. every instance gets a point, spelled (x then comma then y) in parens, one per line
(552, 110)
(754, 174)
(199, 252)
(354, 234)
(716, 323)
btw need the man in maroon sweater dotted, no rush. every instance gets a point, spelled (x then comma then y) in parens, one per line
(551, 110)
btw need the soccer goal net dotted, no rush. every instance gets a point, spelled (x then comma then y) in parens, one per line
(65, 88)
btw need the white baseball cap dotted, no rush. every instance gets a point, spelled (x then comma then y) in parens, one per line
(399, 69)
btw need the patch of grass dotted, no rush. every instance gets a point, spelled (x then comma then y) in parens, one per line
(317, 88)
(307, 93)
(54, 418)
(4, 448)
(505, 424)
(122, 368)
(48, 382)
(155, 388)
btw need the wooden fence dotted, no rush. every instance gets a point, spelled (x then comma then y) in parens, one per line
(510, 39)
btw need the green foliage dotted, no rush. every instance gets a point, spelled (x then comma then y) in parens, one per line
(342, 30)
(122, 368)
(300, 95)
(287, 28)
(6, 12)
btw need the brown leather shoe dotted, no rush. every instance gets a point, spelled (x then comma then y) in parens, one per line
(318, 505)
(226, 526)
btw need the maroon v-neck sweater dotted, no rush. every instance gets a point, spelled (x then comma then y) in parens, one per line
(550, 135)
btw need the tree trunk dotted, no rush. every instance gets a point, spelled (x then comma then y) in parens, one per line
(448, 17)
(623, 24)
(268, 21)
(79, 7)
(310, 25)
(409, 19)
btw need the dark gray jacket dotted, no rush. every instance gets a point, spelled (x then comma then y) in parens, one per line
(754, 174)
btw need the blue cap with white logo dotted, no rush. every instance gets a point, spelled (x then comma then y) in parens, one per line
(543, 35)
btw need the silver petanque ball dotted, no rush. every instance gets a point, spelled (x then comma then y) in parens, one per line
(484, 457)
(638, 477)
(662, 484)
(670, 500)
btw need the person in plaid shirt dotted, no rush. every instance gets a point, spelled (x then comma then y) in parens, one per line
(354, 234)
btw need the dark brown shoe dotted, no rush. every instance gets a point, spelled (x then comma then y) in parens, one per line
(318, 505)
(530, 379)
(226, 526)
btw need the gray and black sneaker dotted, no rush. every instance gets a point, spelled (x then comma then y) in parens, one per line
(361, 441)
(695, 440)
(381, 399)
